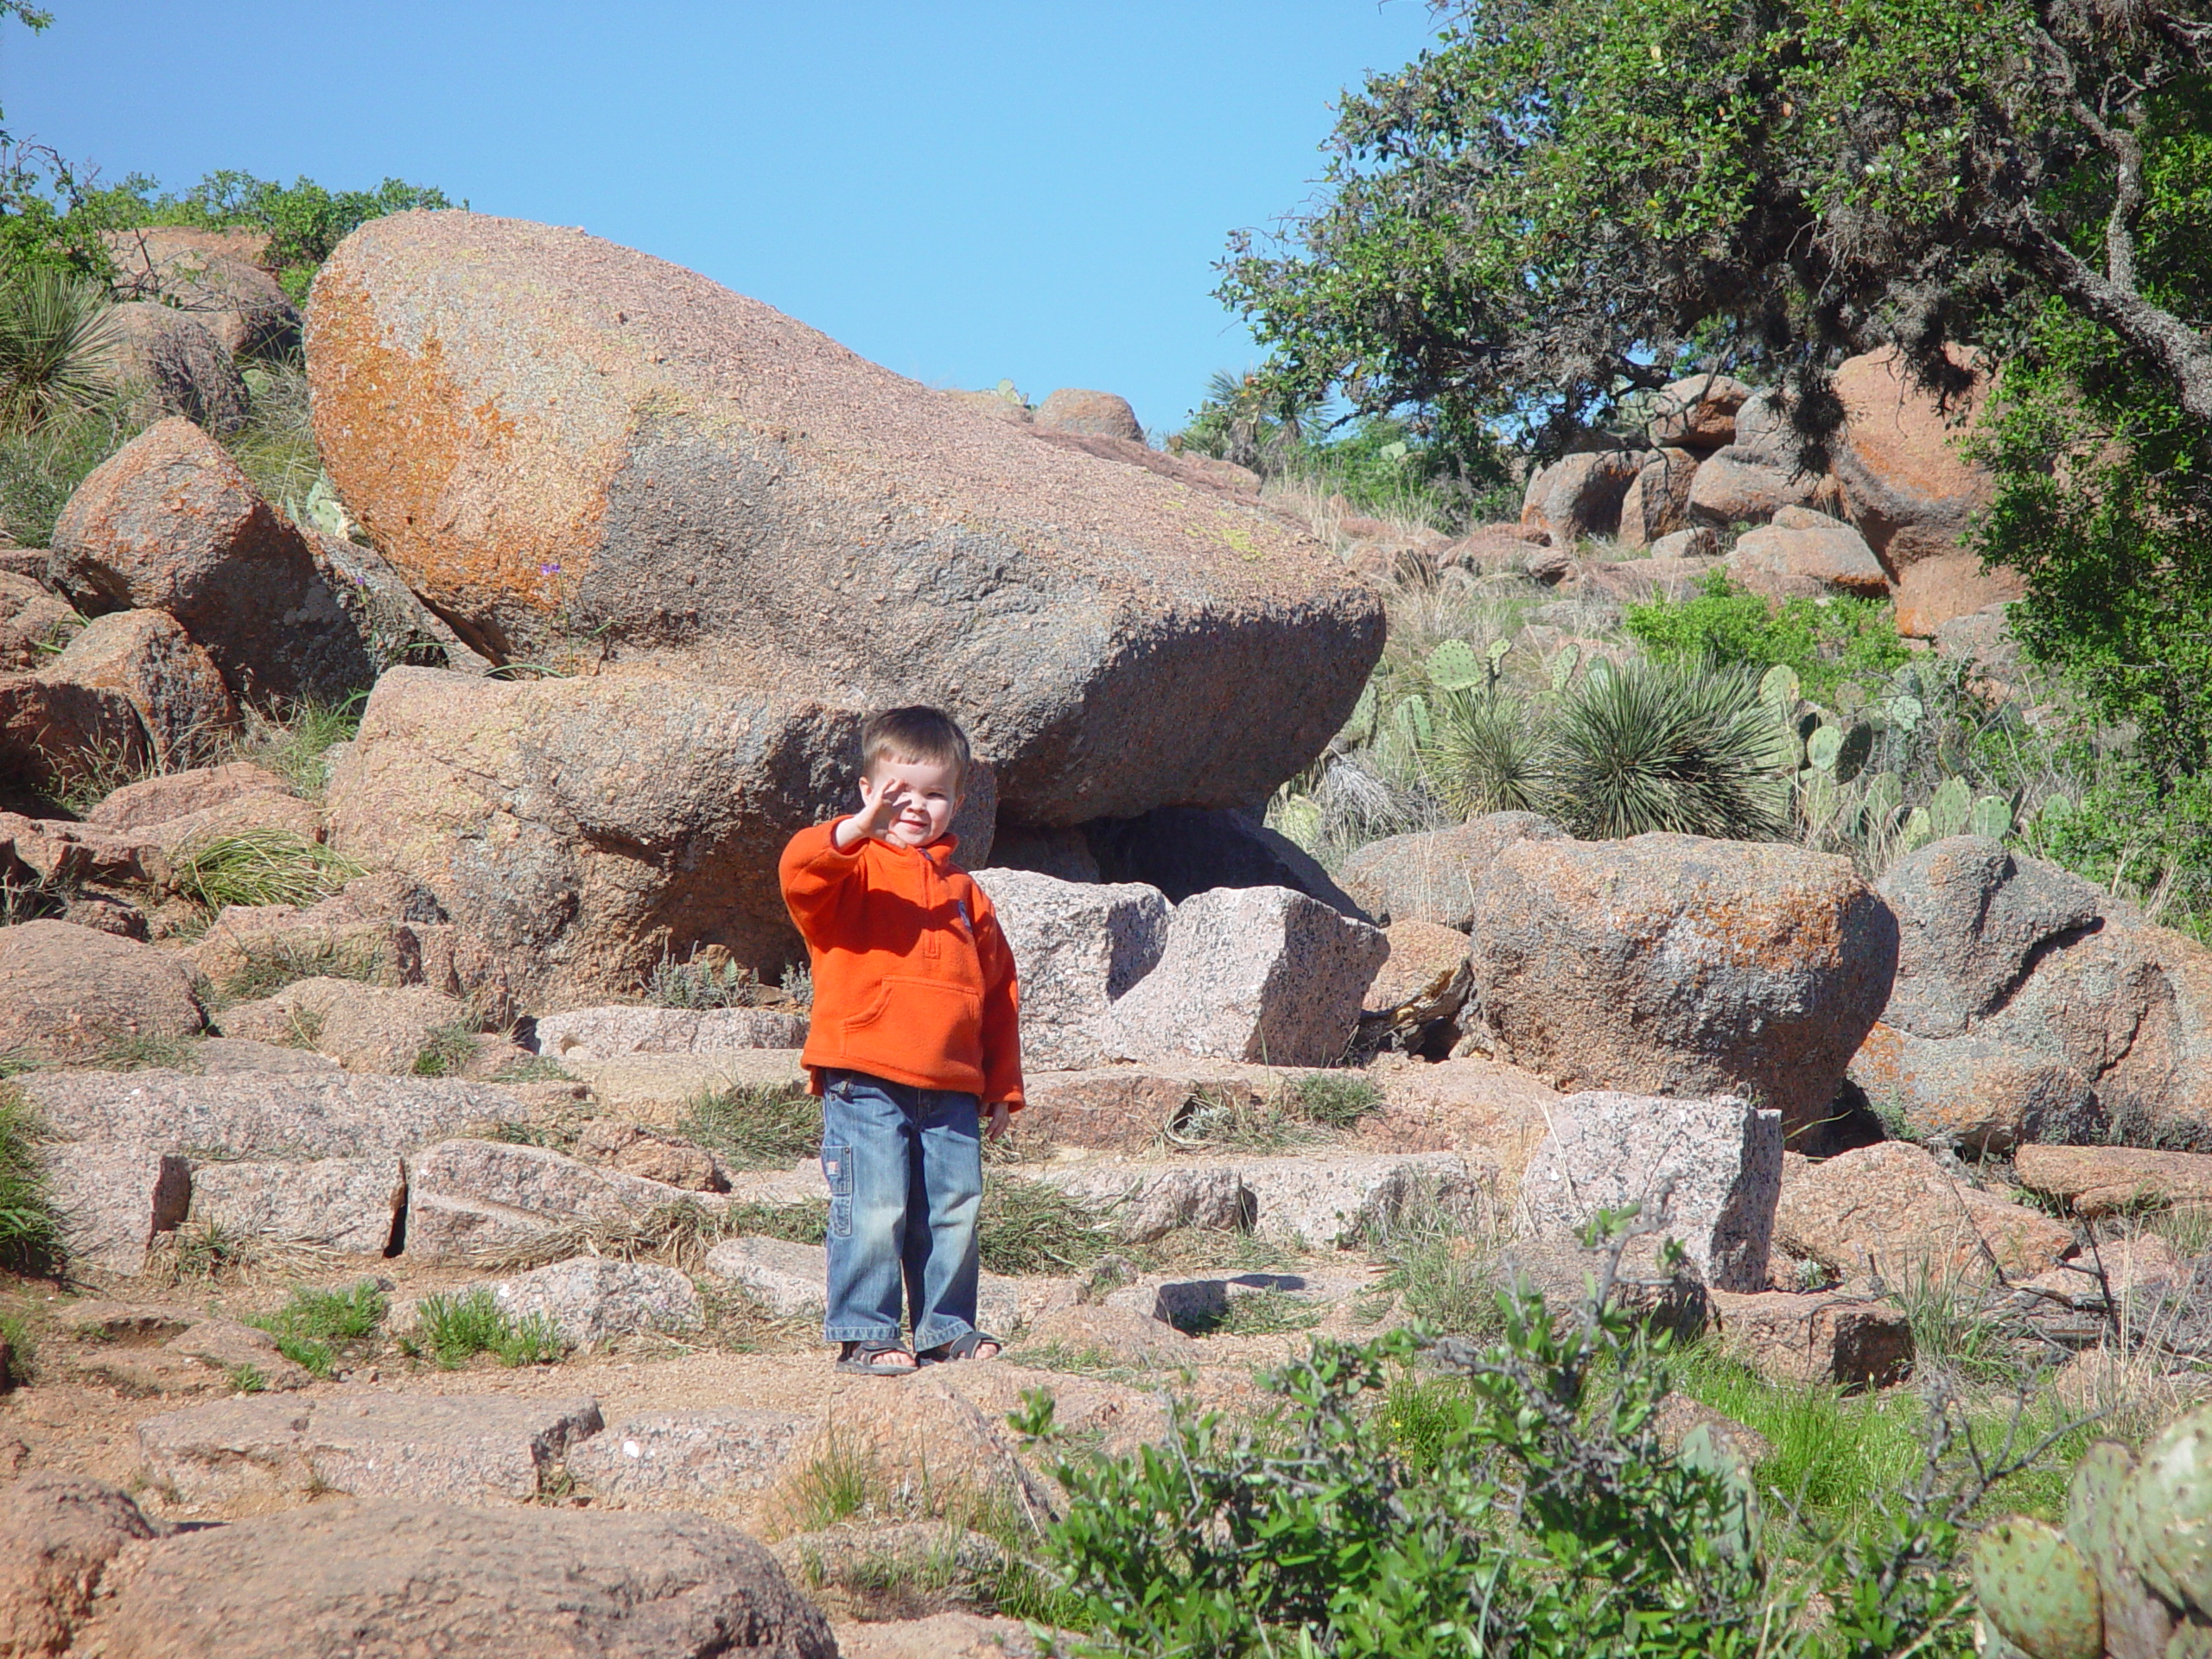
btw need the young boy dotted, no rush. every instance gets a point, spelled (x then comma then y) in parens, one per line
(916, 1029)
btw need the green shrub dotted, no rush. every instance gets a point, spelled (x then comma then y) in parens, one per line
(1659, 746)
(260, 866)
(56, 334)
(30, 1238)
(1521, 1504)
(450, 1331)
(1336, 1100)
(1826, 641)
(756, 1126)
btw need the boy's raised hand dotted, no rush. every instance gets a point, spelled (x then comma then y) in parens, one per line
(880, 799)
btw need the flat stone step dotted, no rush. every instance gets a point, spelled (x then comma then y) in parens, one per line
(591, 1300)
(453, 1449)
(661, 1088)
(686, 1455)
(584, 1035)
(1321, 1201)
(261, 1116)
(791, 1281)
(1130, 1107)
(473, 1199)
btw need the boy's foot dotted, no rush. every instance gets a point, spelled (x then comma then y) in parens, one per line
(974, 1345)
(874, 1357)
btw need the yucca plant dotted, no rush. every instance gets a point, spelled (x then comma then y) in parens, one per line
(1656, 747)
(56, 332)
(1490, 752)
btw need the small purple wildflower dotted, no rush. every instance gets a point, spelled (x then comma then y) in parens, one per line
(548, 569)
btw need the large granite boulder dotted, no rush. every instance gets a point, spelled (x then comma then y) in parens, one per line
(1078, 948)
(1911, 491)
(173, 365)
(214, 277)
(1579, 495)
(581, 828)
(1676, 965)
(169, 522)
(70, 994)
(582, 455)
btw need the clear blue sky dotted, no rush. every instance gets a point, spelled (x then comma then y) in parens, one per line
(961, 191)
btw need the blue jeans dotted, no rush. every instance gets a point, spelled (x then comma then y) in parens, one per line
(906, 1173)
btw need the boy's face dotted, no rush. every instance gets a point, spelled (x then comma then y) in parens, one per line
(923, 796)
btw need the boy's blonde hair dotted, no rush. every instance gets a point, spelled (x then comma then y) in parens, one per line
(917, 732)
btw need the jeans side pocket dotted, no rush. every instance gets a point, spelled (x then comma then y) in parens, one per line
(837, 1171)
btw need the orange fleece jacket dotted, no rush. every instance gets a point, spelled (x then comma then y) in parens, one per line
(912, 980)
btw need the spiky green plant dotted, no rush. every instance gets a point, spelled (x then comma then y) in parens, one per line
(1682, 747)
(30, 1236)
(260, 866)
(1488, 752)
(56, 332)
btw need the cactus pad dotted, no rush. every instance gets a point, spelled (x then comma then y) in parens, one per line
(1454, 667)
(2038, 1591)
(2099, 1511)
(1856, 750)
(1778, 688)
(1948, 807)
(2190, 1642)
(1823, 747)
(1990, 816)
(2173, 1499)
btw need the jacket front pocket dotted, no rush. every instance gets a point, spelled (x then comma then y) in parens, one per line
(923, 1026)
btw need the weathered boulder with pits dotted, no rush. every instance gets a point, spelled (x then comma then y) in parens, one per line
(1432, 876)
(210, 275)
(579, 829)
(175, 364)
(1807, 555)
(169, 522)
(1099, 414)
(351, 1206)
(1579, 495)
(1676, 965)
(577, 452)
(467, 1199)
(684, 1458)
(1909, 488)
(1891, 1213)
(111, 1202)
(2105, 1180)
(1971, 1092)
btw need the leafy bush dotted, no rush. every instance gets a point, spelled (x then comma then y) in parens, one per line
(450, 1331)
(1828, 642)
(1521, 1504)
(29, 1238)
(257, 866)
(702, 980)
(1684, 749)
(756, 1126)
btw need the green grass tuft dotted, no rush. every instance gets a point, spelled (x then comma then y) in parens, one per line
(756, 1126)
(447, 1052)
(311, 1326)
(30, 1237)
(260, 866)
(450, 1331)
(294, 746)
(1027, 1227)
(1335, 1100)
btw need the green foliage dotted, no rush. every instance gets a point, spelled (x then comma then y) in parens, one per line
(1826, 642)
(756, 1126)
(30, 1239)
(1525, 1508)
(446, 1051)
(275, 447)
(41, 466)
(293, 743)
(1562, 204)
(1335, 1100)
(1689, 749)
(245, 1379)
(2135, 1553)
(1257, 1314)
(260, 866)
(313, 1325)
(450, 1331)
(704, 981)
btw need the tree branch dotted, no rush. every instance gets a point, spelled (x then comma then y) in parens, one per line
(2183, 353)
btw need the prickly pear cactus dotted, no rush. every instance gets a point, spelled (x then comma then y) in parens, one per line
(1565, 661)
(1854, 752)
(1454, 667)
(1917, 831)
(1779, 688)
(1947, 811)
(1990, 816)
(1823, 747)
(2191, 1641)
(2138, 1624)
(2173, 1490)
(2038, 1591)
